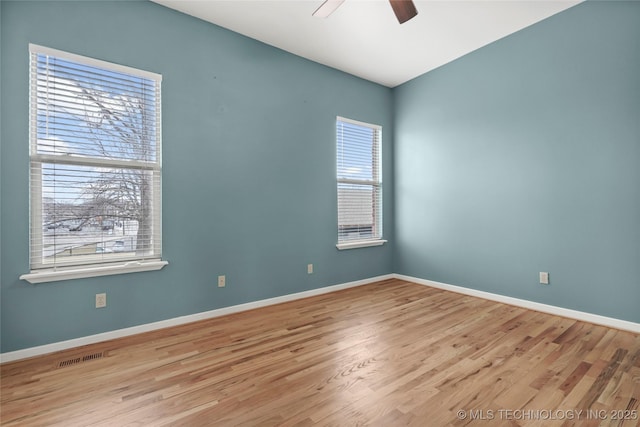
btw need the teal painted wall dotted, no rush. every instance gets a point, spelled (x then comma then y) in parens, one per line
(524, 156)
(248, 163)
(521, 157)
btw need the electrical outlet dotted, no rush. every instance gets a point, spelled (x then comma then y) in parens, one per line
(309, 268)
(222, 281)
(101, 300)
(544, 278)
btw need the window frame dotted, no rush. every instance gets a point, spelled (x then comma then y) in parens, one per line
(90, 266)
(376, 183)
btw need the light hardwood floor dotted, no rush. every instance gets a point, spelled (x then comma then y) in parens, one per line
(387, 354)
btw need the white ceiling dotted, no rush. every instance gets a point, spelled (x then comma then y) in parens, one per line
(364, 38)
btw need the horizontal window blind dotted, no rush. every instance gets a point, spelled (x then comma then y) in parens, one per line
(95, 161)
(359, 180)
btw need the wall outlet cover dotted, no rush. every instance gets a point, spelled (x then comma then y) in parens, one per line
(544, 278)
(101, 300)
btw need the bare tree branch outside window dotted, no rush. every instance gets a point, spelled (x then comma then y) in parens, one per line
(98, 160)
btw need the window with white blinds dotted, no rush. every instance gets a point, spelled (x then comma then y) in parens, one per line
(95, 158)
(359, 183)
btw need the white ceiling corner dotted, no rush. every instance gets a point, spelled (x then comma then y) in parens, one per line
(363, 37)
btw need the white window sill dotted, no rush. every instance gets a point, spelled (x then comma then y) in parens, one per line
(91, 271)
(360, 244)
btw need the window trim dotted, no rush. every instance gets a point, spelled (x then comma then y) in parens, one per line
(355, 244)
(39, 270)
(377, 166)
(95, 270)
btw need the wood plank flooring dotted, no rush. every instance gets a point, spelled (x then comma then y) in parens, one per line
(390, 353)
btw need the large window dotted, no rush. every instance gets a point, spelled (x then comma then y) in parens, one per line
(359, 184)
(95, 165)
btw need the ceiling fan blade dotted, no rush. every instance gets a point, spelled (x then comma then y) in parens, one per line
(327, 8)
(404, 9)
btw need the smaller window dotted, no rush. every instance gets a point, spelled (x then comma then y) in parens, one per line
(359, 179)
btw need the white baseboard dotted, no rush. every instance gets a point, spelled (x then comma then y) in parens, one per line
(545, 308)
(119, 333)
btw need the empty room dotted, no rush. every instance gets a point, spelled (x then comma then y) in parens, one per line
(309, 212)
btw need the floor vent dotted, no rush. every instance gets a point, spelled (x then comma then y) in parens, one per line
(93, 356)
(77, 360)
